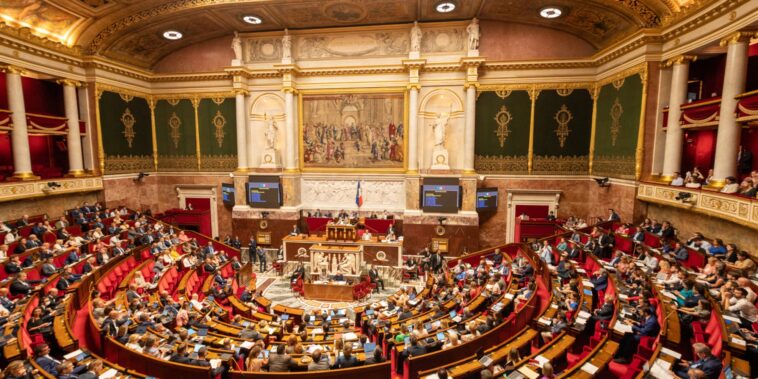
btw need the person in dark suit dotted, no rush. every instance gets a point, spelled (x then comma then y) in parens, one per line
(405, 314)
(605, 242)
(93, 370)
(13, 266)
(38, 230)
(613, 216)
(706, 361)
(20, 286)
(600, 280)
(415, 349)
(261, 258)
(667, 231)
(639, 236)
(744, 161)
(209, 250)
(48, 268)
(252, 250)
(5, 301)
(72, 257)
(180, 356)
(347, 359)
(373, 274)
(648, 327)
(338, 277)
(64, 282)
(44, 360)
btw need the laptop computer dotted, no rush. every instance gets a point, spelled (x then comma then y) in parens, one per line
(202, 332)
(441, 336)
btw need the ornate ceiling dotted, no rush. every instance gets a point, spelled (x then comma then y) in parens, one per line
(130, 30)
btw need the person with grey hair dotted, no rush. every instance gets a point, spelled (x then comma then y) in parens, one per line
(705, 361)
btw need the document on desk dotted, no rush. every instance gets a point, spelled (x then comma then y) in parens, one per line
(583, 314)
(622, 328)
(671, 353)
(541, 360)
(587, 283)
(529, 373)
(109, 374)
(660, 369)
(589, 368)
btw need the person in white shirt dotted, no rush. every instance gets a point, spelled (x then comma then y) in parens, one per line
(4, 228)
(745, 283)
(678, 180)
(196, 304)
(731, 185)
(746, 309)
(546, 252)
(10, 237)
(3, 252)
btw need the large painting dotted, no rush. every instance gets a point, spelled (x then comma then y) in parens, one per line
(349, 131)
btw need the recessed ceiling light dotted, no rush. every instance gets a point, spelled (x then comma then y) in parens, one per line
(445, 6)
(172, 35)
(254, 20)
(551, 12)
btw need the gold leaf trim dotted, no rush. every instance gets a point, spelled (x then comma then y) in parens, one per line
(219, 121)
(174, 124)
(503, 118)
(622, 167)
(561, 165)
(128, 120)
(563, 117)
(563, 92)
(219, 162)
(177, 163)
(616, 111)
(120, 164)
(496, 164)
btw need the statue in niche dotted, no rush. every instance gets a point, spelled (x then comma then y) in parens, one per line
(286, 47)
(237, 47)
(473, 35)
(440, 129)
(415, 38)
(271, 133)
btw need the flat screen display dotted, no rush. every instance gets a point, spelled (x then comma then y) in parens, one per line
(440, 195)
(227, 193)
(264, 192)
(486, 199)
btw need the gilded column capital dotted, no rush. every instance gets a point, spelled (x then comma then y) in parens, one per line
(70, 83)
(469, 84)
(415, 86)
(680, 59)
(289, 89)
(736, 37)
(240, 91)
(414, 64)
(9, 69)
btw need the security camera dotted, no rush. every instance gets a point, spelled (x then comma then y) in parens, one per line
(603, 182)
(141, 176)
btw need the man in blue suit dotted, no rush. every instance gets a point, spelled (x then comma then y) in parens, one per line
(649, 327)
(706, 362)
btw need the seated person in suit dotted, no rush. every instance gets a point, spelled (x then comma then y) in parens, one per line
(338, 277)
(705, 361)
(347, 359)
(93, 370)
(648, 327)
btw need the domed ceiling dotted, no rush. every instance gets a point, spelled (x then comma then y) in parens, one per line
(131, 31)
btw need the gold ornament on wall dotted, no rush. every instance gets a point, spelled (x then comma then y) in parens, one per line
(616, 111)
(127, 98)
(563, 117)
(218, 123)
(618, 83)
(563, 92)
(174, 123)
(503, 118)
(218, 100)
(128, 120)
(173, 102)
(503, 93)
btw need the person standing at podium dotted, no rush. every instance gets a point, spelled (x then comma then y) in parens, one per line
(338, 277)
(252, 250)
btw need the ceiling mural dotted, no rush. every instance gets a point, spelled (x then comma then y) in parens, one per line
(130, 30)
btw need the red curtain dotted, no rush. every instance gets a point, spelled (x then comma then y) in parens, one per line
(43, 97)
(199, 204)
(711, 72)
(6, 156)
(49, 156)
(533, 211)
(699, 150)
(3, 92)
(203, 218)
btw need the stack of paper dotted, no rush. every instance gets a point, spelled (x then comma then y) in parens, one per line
(589, 368)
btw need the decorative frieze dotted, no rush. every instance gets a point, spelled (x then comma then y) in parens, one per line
(24, 190)
(741, 210)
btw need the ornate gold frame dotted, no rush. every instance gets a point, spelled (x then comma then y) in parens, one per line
(301, 159)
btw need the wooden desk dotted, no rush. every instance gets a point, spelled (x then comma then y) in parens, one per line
(375, 252)
(328, 292)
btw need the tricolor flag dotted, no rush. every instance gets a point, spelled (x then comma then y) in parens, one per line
(359, 195)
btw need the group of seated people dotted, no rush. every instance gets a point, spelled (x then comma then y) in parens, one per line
(748, 187)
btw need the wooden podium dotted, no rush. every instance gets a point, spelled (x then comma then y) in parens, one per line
(341, 232)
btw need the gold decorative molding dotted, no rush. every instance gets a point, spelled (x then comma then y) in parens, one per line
(639, 151)
(118, 164)
(70, 83)
(621, 75)
(741, 36)
(498, 164)
(562, 118)
(503, 119)
(219, 163)
(614, 166)
(680, 59)
(534, 93)
(29, 189)
(560, 165)
(740, 210)
(9, 69)
(617, 110)
(594, 92)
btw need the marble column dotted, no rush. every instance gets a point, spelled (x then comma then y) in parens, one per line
(412, 131)
(290, 135)
(672, 158)
(729, 131)
(469, 130)
(242, 163)
(70, 103)
(22, 162)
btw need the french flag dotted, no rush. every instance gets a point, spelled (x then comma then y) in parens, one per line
(359, 195)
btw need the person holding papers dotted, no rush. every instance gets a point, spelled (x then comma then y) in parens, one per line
(705, 361)
(648, 327)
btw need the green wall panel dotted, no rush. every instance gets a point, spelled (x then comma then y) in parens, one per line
(505, 153)
(175, 134)
(127, 133)
(570, 156)
(218, 134)
(618, 121)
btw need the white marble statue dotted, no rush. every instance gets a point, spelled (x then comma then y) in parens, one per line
(440, 129)
(415, 38)
(473, 35)
(271, 133)
(237, 47)
(286, 47)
